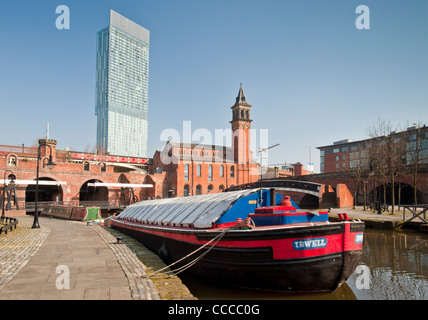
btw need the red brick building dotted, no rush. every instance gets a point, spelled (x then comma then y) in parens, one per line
(69, 182)
(193, 169)
(180, 169)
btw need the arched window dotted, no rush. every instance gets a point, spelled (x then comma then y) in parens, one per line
(186, 192)
(86, 166)
(186, 172)
(12, 161)
(210, 172)
(198, 189)
(232, 171)
(198, 170)
(221, 187)
(221, 171)
(210, 187)
(103, 167)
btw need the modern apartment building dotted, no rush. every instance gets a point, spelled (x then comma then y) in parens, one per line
(122, 78)
(411, 146)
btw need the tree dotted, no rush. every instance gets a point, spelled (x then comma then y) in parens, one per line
(380, 152)
(388, 150)
(396, 154)
(416, 153)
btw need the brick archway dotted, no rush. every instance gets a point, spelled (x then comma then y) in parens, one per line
(90, 193)
(46, 192)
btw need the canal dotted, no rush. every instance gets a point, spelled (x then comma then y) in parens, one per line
(394, 267)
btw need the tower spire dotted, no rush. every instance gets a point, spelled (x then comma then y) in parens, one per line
(241, 96)
(241, 126)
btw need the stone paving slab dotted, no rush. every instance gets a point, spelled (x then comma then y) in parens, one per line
(99, 269)
(17, 248)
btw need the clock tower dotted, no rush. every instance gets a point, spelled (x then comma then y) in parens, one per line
(241, 125)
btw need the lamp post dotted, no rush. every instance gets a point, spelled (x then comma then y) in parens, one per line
(4, 191)
(50, 164)
(261, 169)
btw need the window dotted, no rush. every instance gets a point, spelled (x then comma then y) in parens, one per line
(186, 190)
(103, 167)
(186, 172)
(221, 171)
(210, 172)
(12, 161)
(86, 166)
(335, 150)
(198, 170)
(210, 187)
(232, 171)
(198, 189)
(221, 187)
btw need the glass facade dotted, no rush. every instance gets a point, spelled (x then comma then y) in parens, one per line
(122, 77)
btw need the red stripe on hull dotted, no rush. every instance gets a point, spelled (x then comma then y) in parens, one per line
(289, 248)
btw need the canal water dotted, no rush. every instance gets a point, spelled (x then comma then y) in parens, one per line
(394, 266)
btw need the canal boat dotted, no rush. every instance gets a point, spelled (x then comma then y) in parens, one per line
(254, 238)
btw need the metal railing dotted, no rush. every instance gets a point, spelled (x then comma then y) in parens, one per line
(107, 204)
(414, 211)
(10, 223)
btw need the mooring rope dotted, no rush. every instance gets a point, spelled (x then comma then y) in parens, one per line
(191, 263)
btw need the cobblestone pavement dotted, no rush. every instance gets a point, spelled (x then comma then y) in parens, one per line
(134, 269)
(17, 248)
(98, 267)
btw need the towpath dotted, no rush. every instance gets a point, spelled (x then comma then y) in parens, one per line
(386, 220)
(69, 260)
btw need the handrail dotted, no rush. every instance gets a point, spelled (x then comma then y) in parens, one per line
(413, 210)
(9, 226)
(75, 203)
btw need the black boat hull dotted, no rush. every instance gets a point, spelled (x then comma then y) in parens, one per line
(239, 259)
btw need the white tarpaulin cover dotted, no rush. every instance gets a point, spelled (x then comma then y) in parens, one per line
(197, 211)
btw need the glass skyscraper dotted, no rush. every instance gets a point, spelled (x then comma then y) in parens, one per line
(122, 79)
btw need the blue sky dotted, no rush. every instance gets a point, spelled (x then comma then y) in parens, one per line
(312, 77)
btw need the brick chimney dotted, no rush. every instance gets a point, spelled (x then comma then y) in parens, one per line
(45, 151)
(298, 169)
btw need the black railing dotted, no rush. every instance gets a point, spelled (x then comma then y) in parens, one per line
(107, 204)
(414, 211)
(302, 186)
(9, 222)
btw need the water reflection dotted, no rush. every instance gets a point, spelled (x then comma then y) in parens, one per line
(398, 265)
(206, 290)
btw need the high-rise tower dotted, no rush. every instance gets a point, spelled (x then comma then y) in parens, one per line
(241, 125)
(122, 88)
